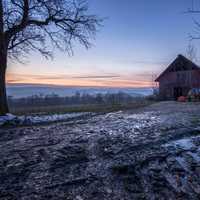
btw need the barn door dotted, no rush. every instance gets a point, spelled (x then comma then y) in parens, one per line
(178, 91)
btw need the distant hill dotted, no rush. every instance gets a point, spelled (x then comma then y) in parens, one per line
(24, 90)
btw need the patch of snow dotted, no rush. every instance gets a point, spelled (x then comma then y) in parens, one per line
(125, 124)
(185, 144)
(182, 162)
(195, 156)
(5, 118)
(10, 119)
(146, 115)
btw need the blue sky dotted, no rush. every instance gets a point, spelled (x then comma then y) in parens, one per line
(139, 38)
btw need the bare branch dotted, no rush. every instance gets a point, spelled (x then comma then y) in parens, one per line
(60, 21)
(194, 11)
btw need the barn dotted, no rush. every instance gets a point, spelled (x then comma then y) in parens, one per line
(179, 77)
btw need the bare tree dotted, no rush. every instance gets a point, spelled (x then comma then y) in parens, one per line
(191, 52)
(41, 25)
(194, 10)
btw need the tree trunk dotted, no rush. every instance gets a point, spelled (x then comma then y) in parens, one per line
(3, 64)
(3, 96)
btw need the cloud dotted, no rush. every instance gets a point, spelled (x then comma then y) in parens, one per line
(58, 77)
(97, 77)
(105, 80)
(127, 83)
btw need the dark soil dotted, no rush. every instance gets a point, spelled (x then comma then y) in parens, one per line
(149, 153)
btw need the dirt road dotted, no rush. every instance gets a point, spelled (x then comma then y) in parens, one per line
(149, 153)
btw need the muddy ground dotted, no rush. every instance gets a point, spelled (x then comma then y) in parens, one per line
(149, 153)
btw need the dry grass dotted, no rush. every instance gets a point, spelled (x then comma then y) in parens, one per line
(59, 109)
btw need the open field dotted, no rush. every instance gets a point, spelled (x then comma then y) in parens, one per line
(55, 109)
(151, 152)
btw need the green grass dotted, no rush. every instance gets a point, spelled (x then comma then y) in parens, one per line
(59, 109)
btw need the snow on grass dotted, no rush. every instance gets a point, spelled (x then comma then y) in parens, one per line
(6, 118)
(124, 124)
(10, 119)
(185, 144)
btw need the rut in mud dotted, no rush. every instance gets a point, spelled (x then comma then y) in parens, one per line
(150, 153)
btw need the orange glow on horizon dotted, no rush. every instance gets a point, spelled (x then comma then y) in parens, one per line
(60, 80)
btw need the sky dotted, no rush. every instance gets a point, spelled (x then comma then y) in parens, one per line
(138, 39)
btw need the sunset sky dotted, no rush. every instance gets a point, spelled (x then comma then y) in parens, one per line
(138, 40)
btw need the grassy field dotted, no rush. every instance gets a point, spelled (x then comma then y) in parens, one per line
(59, 109)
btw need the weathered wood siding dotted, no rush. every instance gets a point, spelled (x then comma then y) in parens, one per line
(179, 79)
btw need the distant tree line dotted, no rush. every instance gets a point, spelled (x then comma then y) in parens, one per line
(76, 99)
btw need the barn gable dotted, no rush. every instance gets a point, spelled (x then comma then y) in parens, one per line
(181, 63)
(178, 79)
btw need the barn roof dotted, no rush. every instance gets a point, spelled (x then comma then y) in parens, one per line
(181, 63)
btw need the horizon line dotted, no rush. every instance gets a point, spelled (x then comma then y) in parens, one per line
(59, 85)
